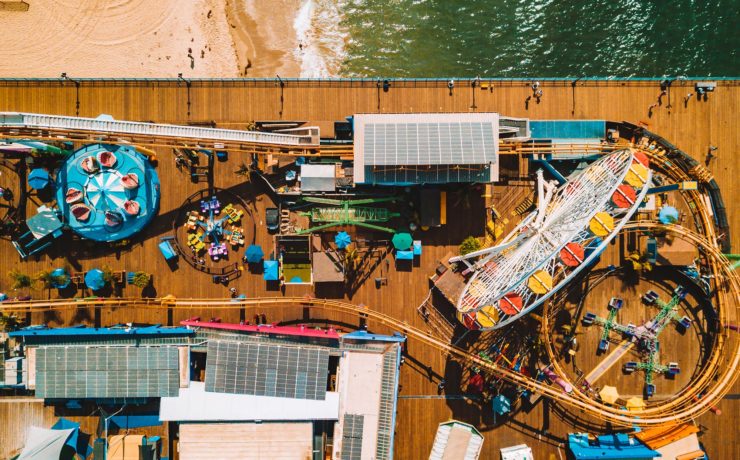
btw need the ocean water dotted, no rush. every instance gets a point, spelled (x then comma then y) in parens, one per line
(519, 38)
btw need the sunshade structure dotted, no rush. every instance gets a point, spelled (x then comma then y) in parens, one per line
(44, 444)
(94, 279)
(116, 183)
(501, 405)
(402, 241)
(609, 394)
(63, 440)
(342, 240)
(635, 403)
(668, 215)
(44, 223)
(254, 254)
(78, 440)
(270, 270)
(38, 178)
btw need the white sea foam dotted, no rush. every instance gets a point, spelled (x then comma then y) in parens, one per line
(319, 30)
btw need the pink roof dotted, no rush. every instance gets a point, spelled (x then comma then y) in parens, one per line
(301, 330)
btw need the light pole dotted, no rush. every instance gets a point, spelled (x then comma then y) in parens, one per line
(105, 423)
(64, 77)
(187, 84)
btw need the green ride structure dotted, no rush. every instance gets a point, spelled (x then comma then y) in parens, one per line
(348, 212)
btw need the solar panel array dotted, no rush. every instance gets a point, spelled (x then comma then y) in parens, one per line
(106, 372)
(267, 370)
(352, 427)
(441, 143)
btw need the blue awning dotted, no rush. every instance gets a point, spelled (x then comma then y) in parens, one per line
(404, 255)
(45, 222)
(270, 270)
(417, 248)
(38, 178)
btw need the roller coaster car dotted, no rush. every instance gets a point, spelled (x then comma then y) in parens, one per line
(680, 292)
(603, 345)
(650, 297)
(673, 369)
(630, 367)
(615, 303)
(588, 319)
(649, 390)
(685, 322)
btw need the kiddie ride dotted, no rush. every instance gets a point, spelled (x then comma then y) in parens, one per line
(645, 337)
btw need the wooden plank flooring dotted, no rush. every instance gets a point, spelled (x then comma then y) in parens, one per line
(231, 104)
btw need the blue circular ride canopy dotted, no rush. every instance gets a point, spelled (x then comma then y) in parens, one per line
(107, 192)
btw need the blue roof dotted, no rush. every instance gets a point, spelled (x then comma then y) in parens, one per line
(82, 331)
(364, 335)
(567, 129)
(270, 270)
(611, 446)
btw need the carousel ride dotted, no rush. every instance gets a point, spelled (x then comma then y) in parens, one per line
(569, 229)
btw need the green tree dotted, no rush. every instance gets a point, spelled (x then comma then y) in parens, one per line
(19, 280)
(469, 244)
(141, 279)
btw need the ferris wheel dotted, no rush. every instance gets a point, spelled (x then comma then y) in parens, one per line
(571, 226)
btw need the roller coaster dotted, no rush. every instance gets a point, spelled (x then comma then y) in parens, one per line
(713, 380)
(721, 370)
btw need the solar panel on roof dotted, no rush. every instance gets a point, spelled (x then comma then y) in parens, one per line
(352, 427)
(432, 143)
(106, 372)
(266, 370)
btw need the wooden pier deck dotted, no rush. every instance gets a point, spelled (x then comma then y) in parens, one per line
(692, 127)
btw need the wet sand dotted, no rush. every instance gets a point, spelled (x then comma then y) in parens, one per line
(145, 38)
(264, 37)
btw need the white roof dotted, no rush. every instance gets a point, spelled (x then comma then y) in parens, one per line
(456, 441)
(519, 452)
(196, 404)
(43, 444)
(318, 178)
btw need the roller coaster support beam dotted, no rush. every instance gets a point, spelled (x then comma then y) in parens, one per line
(544, 161)
(684, 185)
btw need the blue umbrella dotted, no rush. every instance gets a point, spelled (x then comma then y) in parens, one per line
(342, 239)
(254, 253)
(668, 215)
(501, 405)
(38, 178)
(94, 279)
(59, 272)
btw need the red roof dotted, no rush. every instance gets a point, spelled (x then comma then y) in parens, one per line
(300, 330)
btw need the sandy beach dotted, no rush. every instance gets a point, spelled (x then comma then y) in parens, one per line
(146, 38)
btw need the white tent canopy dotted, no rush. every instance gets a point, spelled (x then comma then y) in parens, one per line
(44, 444)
